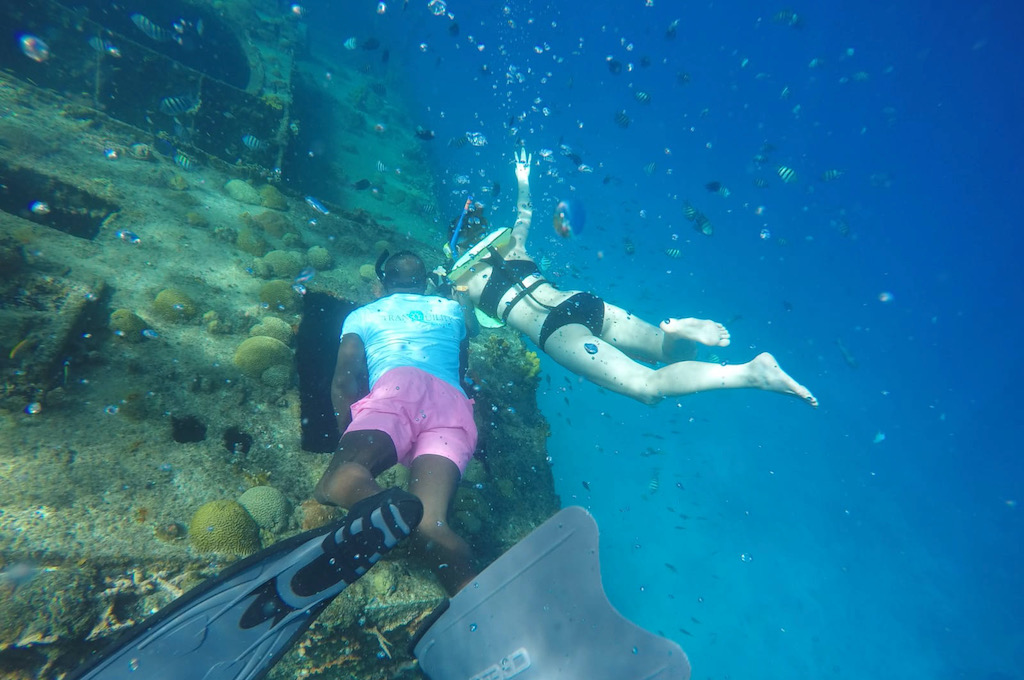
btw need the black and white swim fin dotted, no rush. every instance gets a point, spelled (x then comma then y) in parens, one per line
(236, 626)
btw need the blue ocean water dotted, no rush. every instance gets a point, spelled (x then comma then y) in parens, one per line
(880, 534)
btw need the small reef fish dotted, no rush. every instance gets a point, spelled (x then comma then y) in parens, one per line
(34, 48)
(789, 18)
(174, 106)
(424, 134)
(670, 32)
(306, 275)
(642, 97)
(674, 253)
(350, 44)
(787, 174)
(650, 168)
(252, 142)
(101, 45)
(184, 162)
(157, 33)
(317, 206)
(621, 119)
(717, 188)
(39, 208)
(129, 236)
(700, 221)
(362, 185)
(830, 175)
(848, 357)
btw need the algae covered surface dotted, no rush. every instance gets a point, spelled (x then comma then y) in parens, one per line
(147, 328)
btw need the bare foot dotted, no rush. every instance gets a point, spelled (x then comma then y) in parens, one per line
(704, 331)
(765, 374)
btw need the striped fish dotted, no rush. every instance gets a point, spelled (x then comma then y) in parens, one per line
(252, 142)
(153, 31)
(674, 253)
(650, 168)
(184, 162)
(787, 174)
(174, 106)
(642, 97)
(830, 175)
(622, 120)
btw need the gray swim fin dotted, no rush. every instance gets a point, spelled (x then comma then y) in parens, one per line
(236, 626)
(540, 611)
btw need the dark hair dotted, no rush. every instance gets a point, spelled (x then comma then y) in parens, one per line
(474, 226)
(404, 269)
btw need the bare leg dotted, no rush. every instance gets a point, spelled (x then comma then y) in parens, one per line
(675, 340)
(682, 334)
(611, 368)
(761, 373)
(349, 477)
(433, 480)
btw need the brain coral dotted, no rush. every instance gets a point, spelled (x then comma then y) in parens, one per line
(319, 258)
(284, 263)
(224, 527)
(251, 241)
(243, 192)
(267, 505)
(273, 327)
(127, 325)
(272, 198)
(174, 305)
(279, 296)
(259, 353)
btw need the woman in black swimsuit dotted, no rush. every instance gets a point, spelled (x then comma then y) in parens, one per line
(602, 342)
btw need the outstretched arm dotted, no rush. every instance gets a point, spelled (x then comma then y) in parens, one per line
(521, 230)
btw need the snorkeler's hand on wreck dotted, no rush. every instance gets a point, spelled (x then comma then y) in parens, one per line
(523, 165)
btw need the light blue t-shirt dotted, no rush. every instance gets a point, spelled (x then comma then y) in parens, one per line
(405, 329)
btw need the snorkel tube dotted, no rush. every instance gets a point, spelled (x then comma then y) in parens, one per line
(458, 227)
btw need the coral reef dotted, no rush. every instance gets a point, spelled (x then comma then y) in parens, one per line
(272, 327)
(271, 197)
(224, 527)
(319, 258)
(251, 241)
(279, 296)
(315, 515)
(284, 264)
(243, 192)
(260, 352)
(268, 507)
(270, 222)
(367, 272)
(173, 305)
(127, 325)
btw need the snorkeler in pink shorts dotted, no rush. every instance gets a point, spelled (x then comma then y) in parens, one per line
(398, 397)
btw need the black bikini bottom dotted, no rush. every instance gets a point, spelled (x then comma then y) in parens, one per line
(582, 308)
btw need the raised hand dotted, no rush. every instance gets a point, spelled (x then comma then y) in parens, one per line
(522, 165)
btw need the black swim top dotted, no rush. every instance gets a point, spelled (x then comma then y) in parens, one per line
(505, 275)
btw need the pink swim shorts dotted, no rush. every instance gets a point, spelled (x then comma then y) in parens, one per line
(421, 413)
